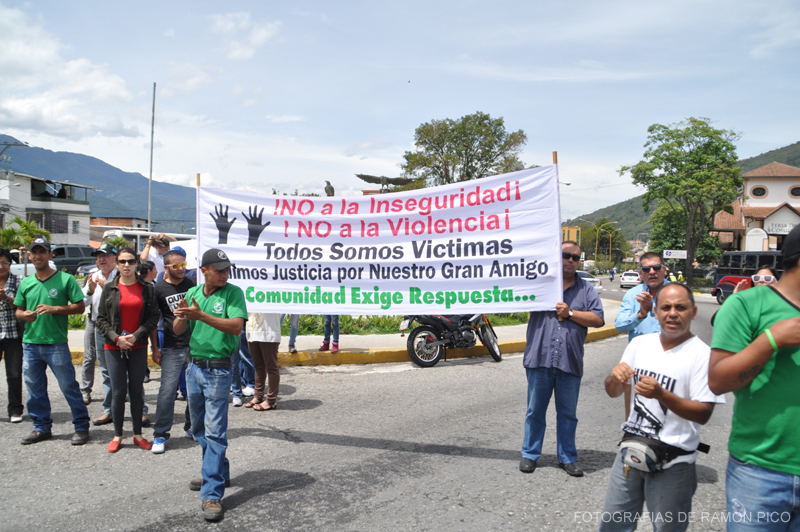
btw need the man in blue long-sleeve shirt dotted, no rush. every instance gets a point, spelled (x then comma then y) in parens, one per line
(636, 316)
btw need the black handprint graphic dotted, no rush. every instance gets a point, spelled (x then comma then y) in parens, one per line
(222, 222)
(254, 227)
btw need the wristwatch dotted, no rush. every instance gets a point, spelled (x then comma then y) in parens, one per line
(570, 315)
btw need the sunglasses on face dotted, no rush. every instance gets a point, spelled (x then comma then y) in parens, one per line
(573, 256)
(655, 268)
(126, 261)
(177, 266)
(764, 279)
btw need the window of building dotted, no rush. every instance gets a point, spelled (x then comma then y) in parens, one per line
(795, 192)
(76, 227)
(758, 192)
(56, 223)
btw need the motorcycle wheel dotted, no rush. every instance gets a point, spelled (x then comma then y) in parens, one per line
(720, 297)
(489, 339)
(419, 350)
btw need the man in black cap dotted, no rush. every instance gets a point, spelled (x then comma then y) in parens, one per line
(44, 301)
(755, 353)
(216, 312)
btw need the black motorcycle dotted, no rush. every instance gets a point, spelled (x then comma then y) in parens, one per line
(428, 343)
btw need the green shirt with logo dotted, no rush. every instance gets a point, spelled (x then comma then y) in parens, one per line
(59, 289)
(764, 430)
(226, 302)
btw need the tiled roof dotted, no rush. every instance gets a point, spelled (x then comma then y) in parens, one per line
(725, 221)
(774, 170)
(760, 213)
(725, 237)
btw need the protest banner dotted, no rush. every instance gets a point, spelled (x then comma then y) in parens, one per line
(484, 246)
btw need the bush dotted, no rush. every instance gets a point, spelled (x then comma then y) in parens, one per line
(76, 322)
(313, 325)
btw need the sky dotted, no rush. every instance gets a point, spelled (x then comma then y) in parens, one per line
(259, 95)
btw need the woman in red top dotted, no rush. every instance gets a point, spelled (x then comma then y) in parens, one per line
(127, 314)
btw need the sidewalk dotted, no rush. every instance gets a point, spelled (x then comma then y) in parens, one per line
(382, 348)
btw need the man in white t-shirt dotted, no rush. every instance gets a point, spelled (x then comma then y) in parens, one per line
(671, 399)
(155, 248)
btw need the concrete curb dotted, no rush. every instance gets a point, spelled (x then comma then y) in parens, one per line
(383, 356)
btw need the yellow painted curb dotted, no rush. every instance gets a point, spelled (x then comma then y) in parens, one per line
(383, 356)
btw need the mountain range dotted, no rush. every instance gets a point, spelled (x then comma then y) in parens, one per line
(632, 218)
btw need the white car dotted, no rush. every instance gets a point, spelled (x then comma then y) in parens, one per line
(629, 279)
(592, 280)
(19, 269)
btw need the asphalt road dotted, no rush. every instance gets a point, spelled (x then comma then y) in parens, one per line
(385, 447)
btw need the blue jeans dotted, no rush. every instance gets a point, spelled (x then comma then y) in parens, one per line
(668, 494)
(36, 359)
(208, 403)
(247, 370)
(99, 344)
(171, 369)
(294, 324)
(541, 383)
(761, 499)
(331, 320)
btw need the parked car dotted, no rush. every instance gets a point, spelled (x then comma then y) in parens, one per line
(629, 279)
(19, 269)
(69, 257)
(592, 280)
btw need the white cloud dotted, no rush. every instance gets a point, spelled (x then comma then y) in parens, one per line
(244, 36)
(186, 77)
(371, 144)
(281, 119)
(43, 92)
(249, 103)
(579, 72)
(169, 33)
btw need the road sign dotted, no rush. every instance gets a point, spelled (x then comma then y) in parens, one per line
(674, 253)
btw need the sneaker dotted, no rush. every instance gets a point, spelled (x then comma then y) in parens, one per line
(147, 376)
(189, 435)
(36, 437)
(158, 445)
(335, 347)
(80, 437)
(325, 346)
(16, 419)
(248, 391)
(196, 483)
(292, 349)
(102, 419)
(212, 510)
(237, 401)
(87, 398)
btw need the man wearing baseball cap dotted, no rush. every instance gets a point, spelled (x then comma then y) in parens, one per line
(44, 301)
(216, 312)
(755, 353)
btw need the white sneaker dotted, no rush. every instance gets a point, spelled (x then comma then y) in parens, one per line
(237, 401)
(16, 419)
(158, 445)
(248, 391)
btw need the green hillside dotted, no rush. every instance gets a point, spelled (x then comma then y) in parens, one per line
(633, 220)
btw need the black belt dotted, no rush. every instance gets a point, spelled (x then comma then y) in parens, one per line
(211, 363)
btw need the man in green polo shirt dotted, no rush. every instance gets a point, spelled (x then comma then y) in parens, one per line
(44, 301)
(216, 316)
(756, 355)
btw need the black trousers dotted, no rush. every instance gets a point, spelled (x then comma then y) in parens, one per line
(11, 351)
(127, 370)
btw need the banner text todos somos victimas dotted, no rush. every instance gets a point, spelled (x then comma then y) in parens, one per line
(484, 246)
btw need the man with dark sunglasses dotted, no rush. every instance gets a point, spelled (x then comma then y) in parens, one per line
(553, 362)
(636, 316)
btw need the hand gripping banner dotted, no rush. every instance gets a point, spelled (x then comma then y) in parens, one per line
(484, 246)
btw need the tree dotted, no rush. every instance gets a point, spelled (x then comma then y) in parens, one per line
(21, 235)
(118, 242)
(608, 231)
(689, 167)
(669, 232)
(474, 146)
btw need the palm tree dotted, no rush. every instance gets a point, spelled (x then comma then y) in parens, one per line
(23, 234)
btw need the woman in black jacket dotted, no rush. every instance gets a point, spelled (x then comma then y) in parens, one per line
(127, 314)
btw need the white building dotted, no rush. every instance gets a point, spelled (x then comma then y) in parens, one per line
(768, 209)
(59, 207)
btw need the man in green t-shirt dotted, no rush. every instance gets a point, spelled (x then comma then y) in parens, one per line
(44, 301)
(756, 355)
(216, 316)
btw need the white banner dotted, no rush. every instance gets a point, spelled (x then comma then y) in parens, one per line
(489, 245)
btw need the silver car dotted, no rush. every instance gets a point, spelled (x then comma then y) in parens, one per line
(592, 280)
(629, 279)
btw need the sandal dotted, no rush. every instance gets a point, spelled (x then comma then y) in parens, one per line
(251, 403)
(264, 406)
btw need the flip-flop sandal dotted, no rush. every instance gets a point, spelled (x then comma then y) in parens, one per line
(260, 408)
(251, 404)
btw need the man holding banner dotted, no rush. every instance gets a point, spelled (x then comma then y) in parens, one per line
(553, 361)
(216, 316)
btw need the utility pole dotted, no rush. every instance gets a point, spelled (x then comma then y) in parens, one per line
(150, 186)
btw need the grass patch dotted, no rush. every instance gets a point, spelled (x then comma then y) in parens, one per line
(312, 325)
